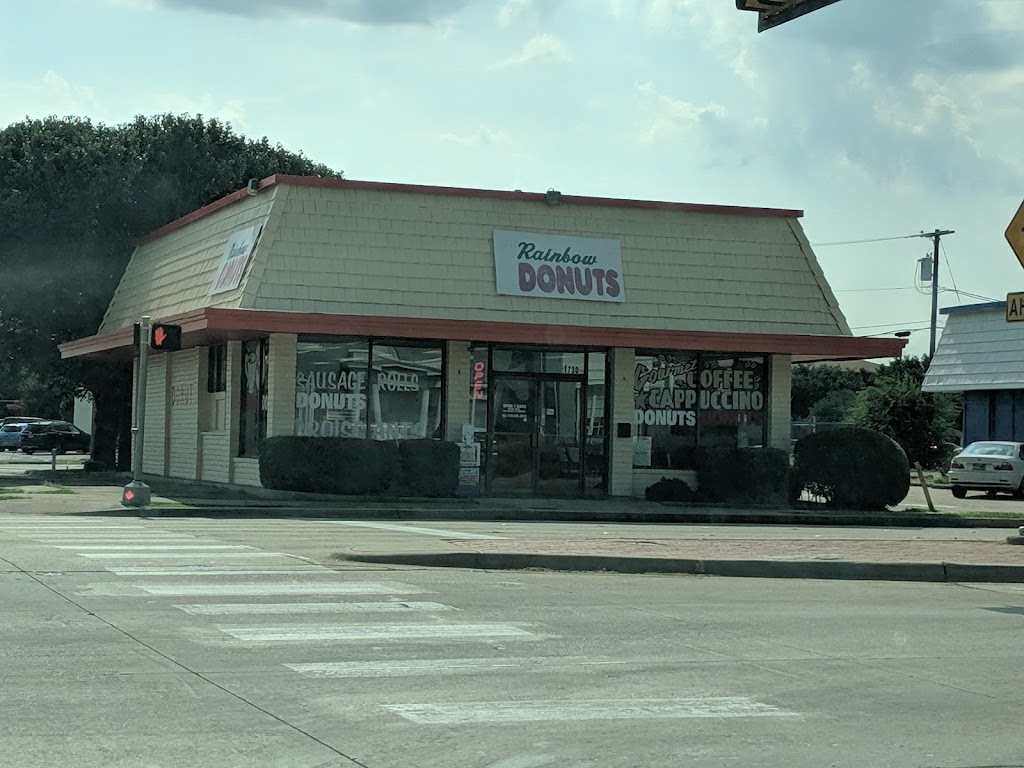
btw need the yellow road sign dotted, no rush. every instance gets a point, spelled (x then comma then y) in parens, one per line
(1015, 234)
(1014, 307)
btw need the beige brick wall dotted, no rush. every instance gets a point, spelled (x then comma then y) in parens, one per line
(385, 253)
(281, 388)
(216, 464)
(183, 414)
(231, 402)
(457, 395)
(780, 391)
(622, 410)
(245, 471)
(154, 441)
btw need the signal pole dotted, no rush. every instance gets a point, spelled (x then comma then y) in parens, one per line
(936, 237)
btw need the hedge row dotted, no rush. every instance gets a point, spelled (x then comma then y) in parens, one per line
(354, 466)
(731, 475)
(849, 467)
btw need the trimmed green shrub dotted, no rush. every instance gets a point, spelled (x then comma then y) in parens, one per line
(328, 465)
(672, 489)
(428, 468)
(744, 475)
(853, 467)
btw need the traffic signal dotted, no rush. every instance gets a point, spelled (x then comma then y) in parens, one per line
(165, 338)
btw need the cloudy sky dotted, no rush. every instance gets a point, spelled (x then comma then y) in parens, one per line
(878, 118)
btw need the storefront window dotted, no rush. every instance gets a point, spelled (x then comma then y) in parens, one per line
(595, 430)
(405, 394)
(665, 401)
(359, 388)
(331, 388)
(733, 394)
(252, 423)
(537, 361)
(684, 400)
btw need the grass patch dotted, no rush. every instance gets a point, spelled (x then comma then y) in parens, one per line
(53, 488)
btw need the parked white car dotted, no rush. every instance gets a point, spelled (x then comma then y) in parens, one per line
(990, 466)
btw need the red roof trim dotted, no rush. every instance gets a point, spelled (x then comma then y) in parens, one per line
(201, 326)
(496, 194)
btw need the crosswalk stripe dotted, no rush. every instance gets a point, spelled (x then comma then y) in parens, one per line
(310, 588)
(44, 528)
(253, 609)
(411, 667)
(374, 632)
(146, 547)
(465, 713)
(178, 555)
(205, 570)
(414, 529)
(115, 543)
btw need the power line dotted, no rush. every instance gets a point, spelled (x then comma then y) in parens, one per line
(861, 242)
(949, 268)
(866, 290)
(911, 324)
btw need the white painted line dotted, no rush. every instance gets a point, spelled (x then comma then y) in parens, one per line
(374, 632)
(411, 667)
(44, 528)
(465, 713)
(82, 536)
(309, 588)
(116, 543)
(142, 547)
(415, 529)
(231, 609)
(206, 570)
(178, 555)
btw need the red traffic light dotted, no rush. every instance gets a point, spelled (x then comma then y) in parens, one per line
(165, 338)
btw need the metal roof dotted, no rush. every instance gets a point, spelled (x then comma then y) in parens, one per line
(978, 350)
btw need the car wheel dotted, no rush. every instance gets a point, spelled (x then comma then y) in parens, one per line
(959, 491)
(28, 451)
(1019, 493)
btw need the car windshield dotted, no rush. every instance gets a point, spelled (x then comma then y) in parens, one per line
(990, 449)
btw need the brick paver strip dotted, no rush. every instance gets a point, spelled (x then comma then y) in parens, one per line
(975, 552)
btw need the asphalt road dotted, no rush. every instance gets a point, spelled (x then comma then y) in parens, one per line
(165, 642)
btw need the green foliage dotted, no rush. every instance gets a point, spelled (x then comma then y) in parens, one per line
(327, 465)
(834, 407)
(74, 196)
(670, 489)
(919, 421)
(852, 467)
(744, 475)
(354, 466)
(428, 468)
(812, 383)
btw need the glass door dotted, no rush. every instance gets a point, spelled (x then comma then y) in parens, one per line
(511, 465)
(535, 437)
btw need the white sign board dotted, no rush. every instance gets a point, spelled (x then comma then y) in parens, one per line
(236, 256)
(558, 266)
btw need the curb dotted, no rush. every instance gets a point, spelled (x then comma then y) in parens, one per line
(519, 514)
(754, 569)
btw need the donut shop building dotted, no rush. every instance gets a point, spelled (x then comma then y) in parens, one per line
(586, 345)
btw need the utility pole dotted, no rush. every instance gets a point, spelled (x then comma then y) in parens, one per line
(935, 236)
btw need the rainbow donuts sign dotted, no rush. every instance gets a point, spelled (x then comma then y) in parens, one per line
(558, 266)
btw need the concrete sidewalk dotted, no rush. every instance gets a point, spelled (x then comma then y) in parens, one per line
(613, 535)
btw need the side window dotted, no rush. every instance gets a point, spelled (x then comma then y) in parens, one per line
(217, 368)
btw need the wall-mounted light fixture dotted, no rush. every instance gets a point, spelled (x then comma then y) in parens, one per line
(553, 197)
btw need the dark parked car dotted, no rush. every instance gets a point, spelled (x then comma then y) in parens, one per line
(44, 436)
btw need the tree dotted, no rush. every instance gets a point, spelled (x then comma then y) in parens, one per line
(812, 383)
(833, 407)
(74, 197)
(896, 406)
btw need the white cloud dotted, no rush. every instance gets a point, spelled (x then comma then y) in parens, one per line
(668, 115)
(52, 94)
(513, 11)
(537, 48)
(482, 136)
